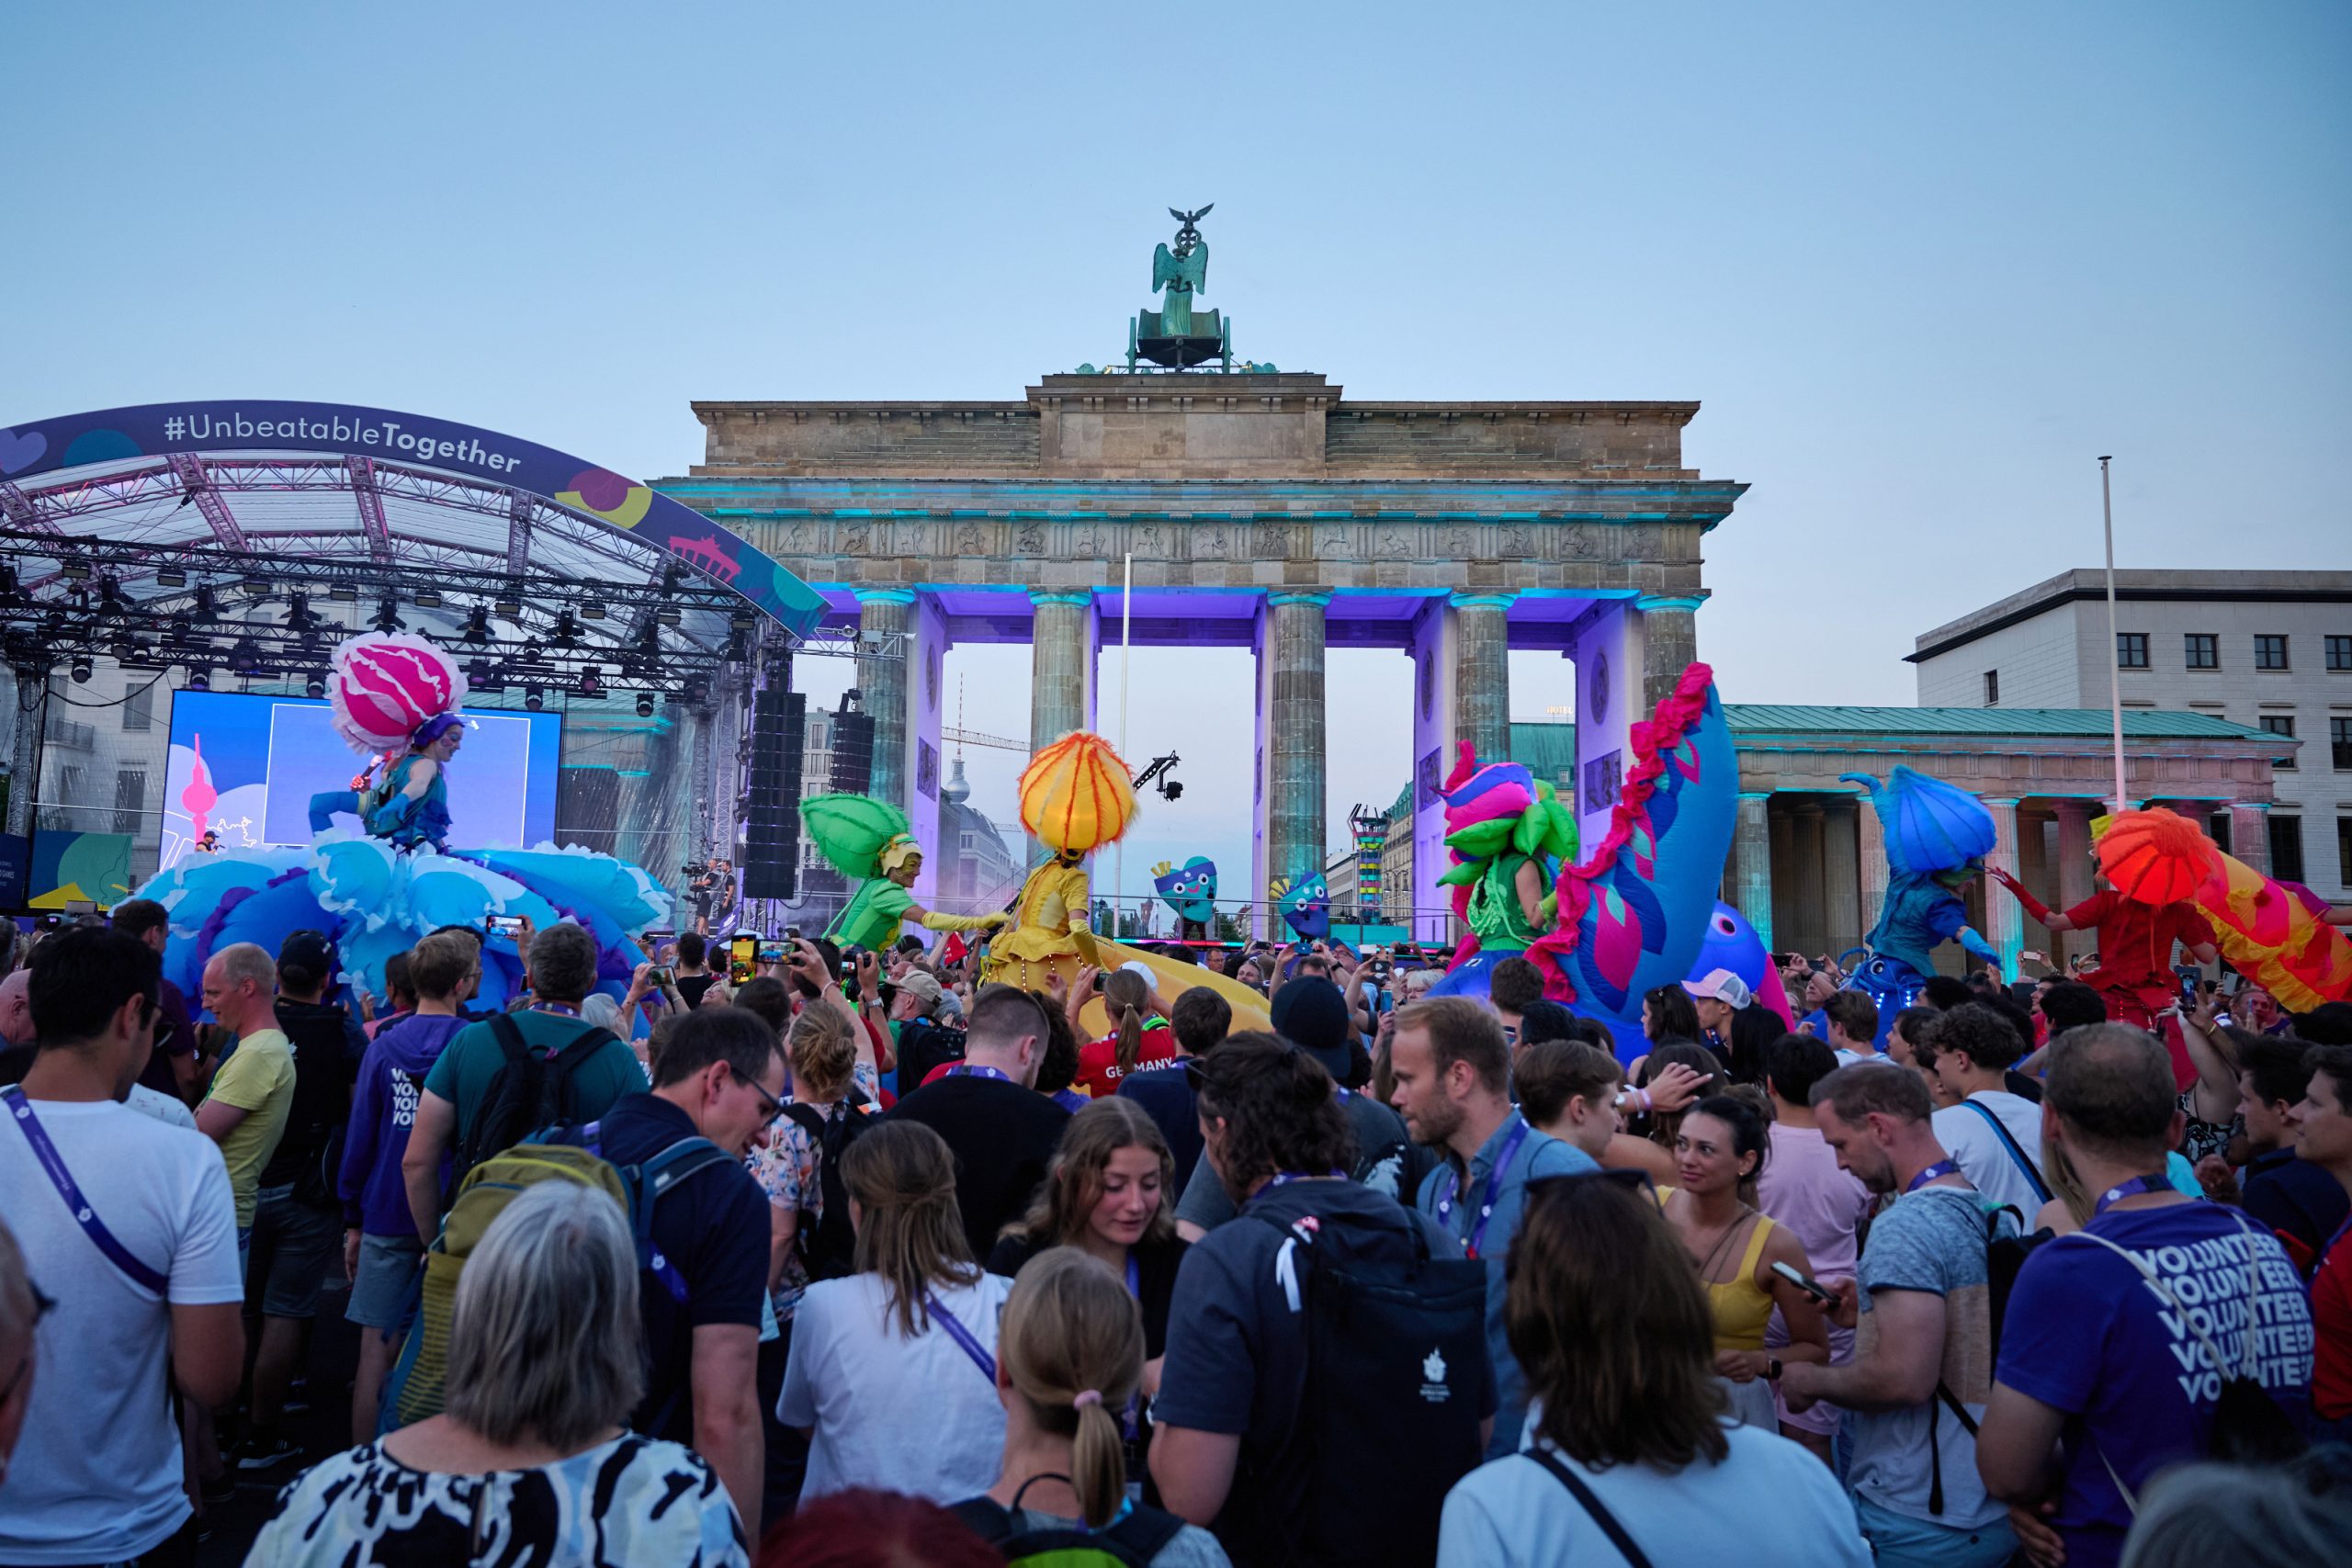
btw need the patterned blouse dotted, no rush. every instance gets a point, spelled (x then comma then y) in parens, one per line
(630, 1500)
(786, 1170)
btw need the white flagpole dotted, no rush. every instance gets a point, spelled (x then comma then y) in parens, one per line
(2114, 649)
(1126, 654)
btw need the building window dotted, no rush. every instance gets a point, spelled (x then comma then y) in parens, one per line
(2204, 651)
(2132, 650)
(2282, 724)
(2339, 653)
(129, 798)
(1992, 688)
(138, 708)
(2269, 652)
(2286, 848)
(2343, 850)
(2339, 745)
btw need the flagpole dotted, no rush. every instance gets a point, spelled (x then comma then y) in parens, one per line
(2114, 642)
(1126, 653)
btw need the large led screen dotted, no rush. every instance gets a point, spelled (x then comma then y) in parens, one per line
(246, 766)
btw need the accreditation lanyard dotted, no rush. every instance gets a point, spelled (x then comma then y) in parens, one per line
(20, 1110)
(1942, 1168)
(974, 1070)
(962, 1336)
(2156, 1183)
(1492, 1189)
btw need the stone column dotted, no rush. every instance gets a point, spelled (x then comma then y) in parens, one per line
(1870, 857)
(2005, 922)
(1811, 930)
(1669, 644)
(883, 614)
(2249, 833)
(1788, 919)
(1061, 690)
(1294, 806)
(2073, 881)
(1482, 675)
(1751, 858)
(1842, 880)
(24, 752)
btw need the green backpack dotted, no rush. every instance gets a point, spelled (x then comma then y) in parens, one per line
(418, 1381)
(1130, 1541)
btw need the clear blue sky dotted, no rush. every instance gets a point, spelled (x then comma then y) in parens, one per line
(1921, 264)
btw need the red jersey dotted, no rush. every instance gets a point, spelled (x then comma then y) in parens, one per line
(1098, 1064)
(2332, 1323)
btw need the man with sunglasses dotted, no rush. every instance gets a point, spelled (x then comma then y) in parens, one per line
(720, 1076)
(1001, 1131)
(129, 1224)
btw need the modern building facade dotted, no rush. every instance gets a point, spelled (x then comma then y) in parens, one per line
(2263, 651)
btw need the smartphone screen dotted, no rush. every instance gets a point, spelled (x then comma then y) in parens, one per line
(771, 952)
(739, 954)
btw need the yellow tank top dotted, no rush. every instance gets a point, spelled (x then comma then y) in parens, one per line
(1742, 1308)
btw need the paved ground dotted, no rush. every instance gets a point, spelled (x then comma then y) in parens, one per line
(323, 1430)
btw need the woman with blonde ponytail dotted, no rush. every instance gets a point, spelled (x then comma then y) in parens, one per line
(1139, 1035)
(1069, 1356)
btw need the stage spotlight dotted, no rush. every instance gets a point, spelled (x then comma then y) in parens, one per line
(477, 627)
(298, 612)
(199, 681)
(426, 598)
(533, 698)
(75, 571)
(343, 594)
(645, 704)
(593, 610)
(257, 585)
(171, 577)
(81, 667)
(244, 659)
(566, 630)
(387, 618)
(698, 690)
(591, 682)
(205, 606)
(314, 688)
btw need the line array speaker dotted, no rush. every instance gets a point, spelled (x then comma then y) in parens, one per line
(772, 800)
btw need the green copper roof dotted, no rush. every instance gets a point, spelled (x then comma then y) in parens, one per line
(2145, 724)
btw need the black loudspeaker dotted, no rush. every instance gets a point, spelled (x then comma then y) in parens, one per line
(852, 753)
(772, 800)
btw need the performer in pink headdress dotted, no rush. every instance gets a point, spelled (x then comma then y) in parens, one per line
(396, 699)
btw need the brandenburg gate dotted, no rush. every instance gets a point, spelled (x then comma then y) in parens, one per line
(1261, 508)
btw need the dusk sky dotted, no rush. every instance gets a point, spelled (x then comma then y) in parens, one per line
(1921, 264)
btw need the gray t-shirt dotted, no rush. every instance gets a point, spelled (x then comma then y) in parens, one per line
(1932, 1240)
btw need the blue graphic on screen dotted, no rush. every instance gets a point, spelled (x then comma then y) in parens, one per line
(245, 766)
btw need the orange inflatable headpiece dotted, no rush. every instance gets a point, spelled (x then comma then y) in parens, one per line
(2157, 857)
(1075, 794)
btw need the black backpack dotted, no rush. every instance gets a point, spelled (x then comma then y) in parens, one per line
(829, 1248)
(1131, 1541)
(1388, 1417)
(531, 1089)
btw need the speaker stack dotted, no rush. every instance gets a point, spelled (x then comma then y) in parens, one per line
(853, 752)
(772, 816)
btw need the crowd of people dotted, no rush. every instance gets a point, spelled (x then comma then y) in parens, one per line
(852, 1259)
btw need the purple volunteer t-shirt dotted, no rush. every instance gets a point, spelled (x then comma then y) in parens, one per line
(2085, 1335)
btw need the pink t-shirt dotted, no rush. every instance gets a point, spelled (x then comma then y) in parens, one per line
(1802, 1188)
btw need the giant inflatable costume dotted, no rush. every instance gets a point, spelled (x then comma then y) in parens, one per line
(1076, 796)
(397, 700)
(869, 839)
(1305, 908)
(2152, 862)
(1508, 835)
(1937, 837)
(1634, 914)
(1191, 891)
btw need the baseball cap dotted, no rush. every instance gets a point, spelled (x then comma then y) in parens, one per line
(1722, 986)
(308, 950)
(920, 984)
(1311, 1013)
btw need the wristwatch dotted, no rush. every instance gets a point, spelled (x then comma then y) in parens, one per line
(1772, 1368)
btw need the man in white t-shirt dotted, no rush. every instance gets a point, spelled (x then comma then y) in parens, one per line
(1974, 1048)
(128, 1225)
